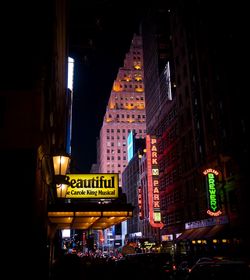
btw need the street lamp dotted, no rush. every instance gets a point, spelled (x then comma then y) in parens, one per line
(61, 190)
(61, 164)
(58, 171)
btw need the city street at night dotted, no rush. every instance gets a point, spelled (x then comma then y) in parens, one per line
(124, 136)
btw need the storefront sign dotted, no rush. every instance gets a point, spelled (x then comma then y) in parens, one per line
(212, 193)
(207, 222)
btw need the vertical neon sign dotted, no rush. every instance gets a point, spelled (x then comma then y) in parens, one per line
(212, 194)
(140, 202)
(153, 182)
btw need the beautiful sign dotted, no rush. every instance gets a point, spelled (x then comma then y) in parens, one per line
(92, 185)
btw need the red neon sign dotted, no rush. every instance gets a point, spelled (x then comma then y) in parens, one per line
(140, 202)
(153, 182)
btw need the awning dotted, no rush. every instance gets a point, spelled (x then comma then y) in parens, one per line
(88, 215)
(199, 233)
(217, 231)
(185, 235)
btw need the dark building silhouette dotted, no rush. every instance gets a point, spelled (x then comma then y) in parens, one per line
(130, 182)
(201, 119)
(33, 95)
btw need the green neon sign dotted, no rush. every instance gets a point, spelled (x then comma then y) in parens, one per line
(212, 192)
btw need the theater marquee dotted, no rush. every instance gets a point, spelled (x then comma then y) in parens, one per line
(92, 185)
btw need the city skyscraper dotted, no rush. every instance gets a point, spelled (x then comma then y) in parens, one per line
(125, 112)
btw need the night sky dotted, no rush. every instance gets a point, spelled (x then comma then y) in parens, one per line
(100, 36)
(23, 27)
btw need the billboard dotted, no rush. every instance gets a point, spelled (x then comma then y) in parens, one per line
(97, 186)
(130, 148)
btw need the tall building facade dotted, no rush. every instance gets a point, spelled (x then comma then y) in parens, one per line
(160, 101)
(125, 112)
(198, 121)
(131, 185)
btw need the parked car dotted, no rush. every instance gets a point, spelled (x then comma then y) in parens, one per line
(219, 269)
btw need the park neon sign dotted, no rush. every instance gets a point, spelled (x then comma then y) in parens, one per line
(153, 182)
(92, 185)
(212, 193)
